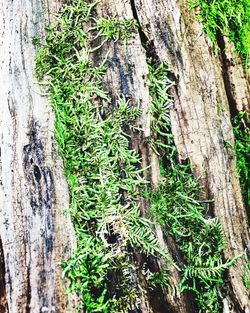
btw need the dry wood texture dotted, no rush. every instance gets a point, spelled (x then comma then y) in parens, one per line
(127, 74)
(35, 234)
(200, 132)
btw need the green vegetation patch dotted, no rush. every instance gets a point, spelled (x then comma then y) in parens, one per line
(101, 169)
(246, 276)
(241, 128)
(230, 17)
(176, 206)
(114, 28)
(105, 179)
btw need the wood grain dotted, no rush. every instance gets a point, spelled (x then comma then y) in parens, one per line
(35, 233)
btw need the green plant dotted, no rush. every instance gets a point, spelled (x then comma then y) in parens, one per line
(246, 277)
(87, 269)
(114, 28)
(36, 41)
(241, 128)
(159, 85)
(230, 17)
(176, 206)
(227, 144)
(104, 179)
(101, 169)
(155, 279)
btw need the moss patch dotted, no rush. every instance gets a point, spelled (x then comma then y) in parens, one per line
(241, 128)
(231, 18)
(104, 179)
(101, 169)
(176, 206)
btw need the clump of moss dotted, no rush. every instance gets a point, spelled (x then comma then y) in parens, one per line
(176, 206)
(100, 167)
(241, 128)
(230, 18)
(104, 179)
(114, 28)
(246, 276)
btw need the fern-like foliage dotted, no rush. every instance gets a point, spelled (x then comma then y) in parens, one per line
(241, 128)
(101, 168)
(229, 17)
(176, 206)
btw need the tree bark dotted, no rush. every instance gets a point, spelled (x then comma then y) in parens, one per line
(202, 83)
(35, 234)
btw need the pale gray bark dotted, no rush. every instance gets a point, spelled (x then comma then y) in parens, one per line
(34, 231)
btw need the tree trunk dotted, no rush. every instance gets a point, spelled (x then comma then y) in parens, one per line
(35, 233)
(203, 82)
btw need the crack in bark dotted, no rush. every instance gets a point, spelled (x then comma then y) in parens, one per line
(225, 67)
(147, 44)
(158, 298)
(3, 299)
(28, 292)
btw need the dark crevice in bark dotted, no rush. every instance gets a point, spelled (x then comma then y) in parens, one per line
(147, 44)
(156, 296)
(158, 303)
(188, 296)
(143, 37)
(225, 69)
(28, 292)
(235, 303)
(3, 299)
(227, 290)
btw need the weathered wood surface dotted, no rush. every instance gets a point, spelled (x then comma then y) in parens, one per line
(236, 79)
(127, 74)
(201, 119)
(35, 234)
(207, 90)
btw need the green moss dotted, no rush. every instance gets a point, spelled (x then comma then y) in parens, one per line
(230, 17)
(241, 128)
(176, 206)
(104, 179)
(246, 276)
(157, 279)
(100, 167)
(114, 28)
